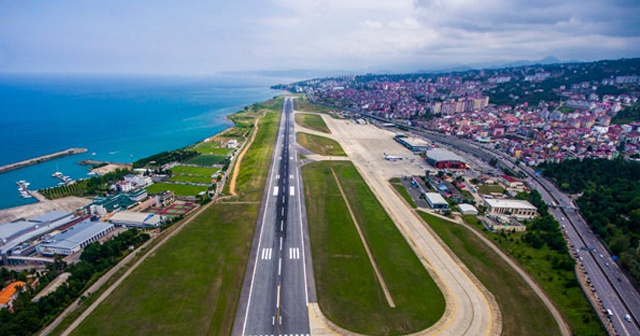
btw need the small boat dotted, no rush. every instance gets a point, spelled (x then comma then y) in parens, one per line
(93, 154)
(56, 174)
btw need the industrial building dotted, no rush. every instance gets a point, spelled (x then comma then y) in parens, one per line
(414, 144)
(436, 201)
(467, 209)
(74, 238)
(18, 237)
(137, 219)
(443, 159)
(516, 208)
(105, 205)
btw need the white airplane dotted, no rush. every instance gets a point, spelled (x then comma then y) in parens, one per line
(392, 157)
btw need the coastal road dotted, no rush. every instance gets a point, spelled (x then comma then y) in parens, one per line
(275, 296)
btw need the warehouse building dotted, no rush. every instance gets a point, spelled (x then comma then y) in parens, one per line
(516, 208)
(436, 201)
(414, 144)
(467, 209)
(443, 159)
(18, 237)
(75, 238)
(137, 219)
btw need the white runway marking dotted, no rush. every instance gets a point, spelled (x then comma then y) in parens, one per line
(275, 191)
(292, 191)
(294, 253)
(266, 253)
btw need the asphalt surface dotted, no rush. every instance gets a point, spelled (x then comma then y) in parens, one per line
(275, 295)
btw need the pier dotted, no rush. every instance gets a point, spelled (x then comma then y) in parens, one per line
(40, 159)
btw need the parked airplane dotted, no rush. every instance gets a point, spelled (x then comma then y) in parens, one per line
(392, 157)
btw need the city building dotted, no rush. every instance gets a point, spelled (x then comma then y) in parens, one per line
(443, 159)
(511, 182)
(9, 293)
(436, 201)
(516, 208)
(104, 205)
(467, 209)
(233, 143)
(165, 198)
(137, 219)
(74, 238)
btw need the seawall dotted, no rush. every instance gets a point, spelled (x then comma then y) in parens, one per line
(40, 159)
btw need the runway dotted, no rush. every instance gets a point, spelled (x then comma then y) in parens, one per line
(275, 296)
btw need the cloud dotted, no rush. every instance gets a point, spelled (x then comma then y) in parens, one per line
(209, 36)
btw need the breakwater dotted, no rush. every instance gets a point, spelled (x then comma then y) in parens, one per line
(40, 159)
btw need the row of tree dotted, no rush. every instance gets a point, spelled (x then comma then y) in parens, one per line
(179, 155)
(29, 317)
(96, 185)
(609, 200)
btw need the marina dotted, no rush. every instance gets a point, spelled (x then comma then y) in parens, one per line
(23, 189)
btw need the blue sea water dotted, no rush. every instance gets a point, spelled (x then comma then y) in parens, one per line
(119, 118)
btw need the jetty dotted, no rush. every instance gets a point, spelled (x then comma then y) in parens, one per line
(40, 159)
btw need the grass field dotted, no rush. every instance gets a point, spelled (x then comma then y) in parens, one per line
(303, 105)
(488, 189)
(181, 291)
(207, 160)
(397, 185)
(178, 189)
(211, 148)
(312, 121)
(320, 145)
(190, 286)
(561, 285)
(196, 171)
(348, 291)
(192, 179)
(517, 301)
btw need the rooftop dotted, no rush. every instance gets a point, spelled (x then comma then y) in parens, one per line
(9, 291)
(137, 217)
(77, 234)
(435, 198)
(502, 203)
(441, 154)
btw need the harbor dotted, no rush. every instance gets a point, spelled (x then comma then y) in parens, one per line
(40, 159)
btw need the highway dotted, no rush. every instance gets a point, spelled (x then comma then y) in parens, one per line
(275, 297)
(610, 285)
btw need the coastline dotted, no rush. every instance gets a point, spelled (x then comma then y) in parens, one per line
(71, 203)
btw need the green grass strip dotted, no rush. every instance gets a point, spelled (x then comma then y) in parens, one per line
(348, 291)
(320, 145)
(312, 121)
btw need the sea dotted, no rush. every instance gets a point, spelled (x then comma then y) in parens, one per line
(117, 118)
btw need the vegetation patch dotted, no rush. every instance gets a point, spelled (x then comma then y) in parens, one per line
(320, 145)
(312, 121)
(518, 302)
(195, 171)
(191, 179)
(178, 189)
(489, 189)
(88, 187)
(544, 265)
(209, 160)
(610, 202)
(348, 291)
(302, 104)
(175, 291)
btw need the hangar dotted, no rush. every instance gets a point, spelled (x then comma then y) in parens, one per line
(443, 159)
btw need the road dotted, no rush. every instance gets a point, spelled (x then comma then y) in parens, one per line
(275, 295)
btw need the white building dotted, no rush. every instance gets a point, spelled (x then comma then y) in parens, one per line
(137, 219)
(516, 208)
(467, 209)
(75, 238)
(436, 201)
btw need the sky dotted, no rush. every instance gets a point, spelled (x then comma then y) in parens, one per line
(207, 37)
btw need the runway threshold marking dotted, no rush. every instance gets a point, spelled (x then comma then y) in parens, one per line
(294, 253)
(266, 253)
